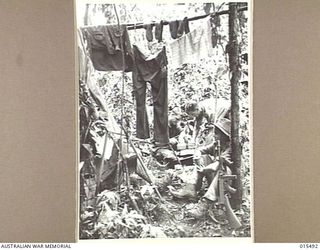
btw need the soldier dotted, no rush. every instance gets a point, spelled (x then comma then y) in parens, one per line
(211, 171)
(212, 110)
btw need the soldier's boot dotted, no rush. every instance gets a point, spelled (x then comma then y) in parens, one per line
(199, 179)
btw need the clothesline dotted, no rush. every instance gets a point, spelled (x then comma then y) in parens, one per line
(132, 26)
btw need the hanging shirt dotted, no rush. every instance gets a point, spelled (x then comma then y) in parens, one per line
(193, 46)
(104, 46)
(213, 110)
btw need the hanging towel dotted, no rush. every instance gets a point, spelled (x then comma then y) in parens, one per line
(193, 46)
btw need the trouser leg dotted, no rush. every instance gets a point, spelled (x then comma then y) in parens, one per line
(160, 106)
(212, 192)
(198, 180)
(142, 124)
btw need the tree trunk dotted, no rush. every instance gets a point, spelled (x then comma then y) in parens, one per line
(233, 51)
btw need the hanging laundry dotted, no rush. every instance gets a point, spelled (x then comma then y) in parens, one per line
(193, 46)
(149, 34)
(151, 69)
(179, 27)
(186, 25)
(180, 30)
(158, 31)
(173, 26)
(183, 27)
(105, 47)
(214, 37)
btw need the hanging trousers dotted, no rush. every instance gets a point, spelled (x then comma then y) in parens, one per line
(154, 71)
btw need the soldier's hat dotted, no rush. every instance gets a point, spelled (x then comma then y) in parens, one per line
(224, 125)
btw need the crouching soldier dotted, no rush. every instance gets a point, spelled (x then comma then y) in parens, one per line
(220, 146)
(208, 110)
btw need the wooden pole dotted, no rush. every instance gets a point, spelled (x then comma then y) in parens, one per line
(134, 26)
(86, 15)
(100, 169)
(122, 105)
(234, 64)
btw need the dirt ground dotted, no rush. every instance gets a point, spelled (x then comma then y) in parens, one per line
(172, 215)
(151, 211)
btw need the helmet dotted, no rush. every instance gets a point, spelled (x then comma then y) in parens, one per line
(224, 125)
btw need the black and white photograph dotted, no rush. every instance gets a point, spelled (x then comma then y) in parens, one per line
(164, 119)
